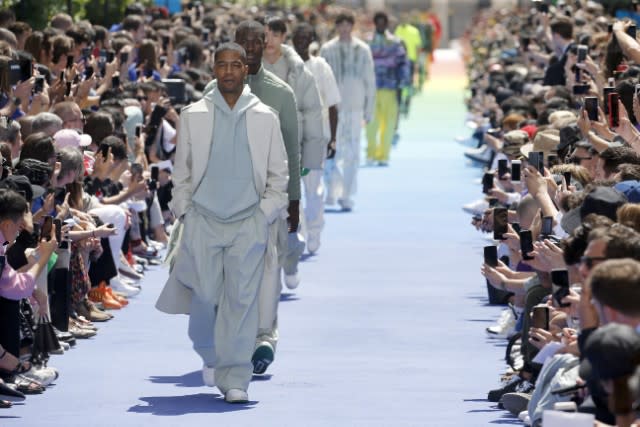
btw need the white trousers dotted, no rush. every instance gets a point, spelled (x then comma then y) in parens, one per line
(341, 175)
(223, 321)
(314, 204)
(113, 214)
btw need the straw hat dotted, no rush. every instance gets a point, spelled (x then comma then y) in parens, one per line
(546, 141)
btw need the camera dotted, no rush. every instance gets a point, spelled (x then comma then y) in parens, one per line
(176, 90)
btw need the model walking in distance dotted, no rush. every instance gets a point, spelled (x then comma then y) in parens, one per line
(230, 180)
(393, 74)
(352, 65)
(303, 35)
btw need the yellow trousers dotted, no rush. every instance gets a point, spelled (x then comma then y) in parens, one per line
(382, 126)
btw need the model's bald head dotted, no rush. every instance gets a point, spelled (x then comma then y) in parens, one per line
(250, 35)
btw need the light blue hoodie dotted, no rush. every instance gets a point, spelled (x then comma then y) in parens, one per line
(228, 191)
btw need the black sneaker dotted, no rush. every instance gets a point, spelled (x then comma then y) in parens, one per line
(262, 357)
(508, 387)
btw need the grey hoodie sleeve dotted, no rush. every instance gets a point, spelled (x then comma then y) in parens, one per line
(313, 140)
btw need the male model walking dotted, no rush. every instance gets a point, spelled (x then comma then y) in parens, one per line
(352, 65)
(393, 74)
(314, 190)
(230, 180)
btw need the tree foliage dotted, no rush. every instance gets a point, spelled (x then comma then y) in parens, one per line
(38, 12)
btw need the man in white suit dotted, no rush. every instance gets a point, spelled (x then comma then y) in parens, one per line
(230, 180)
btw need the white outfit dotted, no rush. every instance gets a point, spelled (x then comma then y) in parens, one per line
(218, 268)
(352, 65)
(113, 214)
(313, 181)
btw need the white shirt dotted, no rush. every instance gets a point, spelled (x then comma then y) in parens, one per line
(327, 87)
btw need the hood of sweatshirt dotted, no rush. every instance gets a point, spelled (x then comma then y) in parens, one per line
(244, 102)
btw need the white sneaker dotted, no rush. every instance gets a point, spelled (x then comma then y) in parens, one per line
(313, 244)
(292, 280)
(123, 288)
(44, 376)
(129, 281)
(504, 326)
(208, 376)
(235, 395)
(156, 245)
(476, 207)
(482, 154)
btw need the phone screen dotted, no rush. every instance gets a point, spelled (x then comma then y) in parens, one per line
(536, 159)
(69, 61)
(606, 91)
(581, 89)
(560, 286)
(58, 224)
(14, 72)
(26, 69)
(591, 106)
(582, 53)
(526, 244)
(515, 171)
(155, 171)
(491, 256)
(104, 150)
(614, 113)
(487, 182)
(503, 168)
(38, 87)
(500, 223)
(631, 31)
(547, 226)
(567, 178)
(540, 317)
(124, 57)
(45, 231)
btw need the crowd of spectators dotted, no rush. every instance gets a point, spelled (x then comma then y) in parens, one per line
(554, 109)
(89, 119)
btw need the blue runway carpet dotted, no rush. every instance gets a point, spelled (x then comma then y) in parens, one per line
(386, 328)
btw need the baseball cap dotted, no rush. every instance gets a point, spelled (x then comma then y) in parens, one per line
(631, 189)
(21, 184)
(70, 138)
(602, 201)
(611, 351)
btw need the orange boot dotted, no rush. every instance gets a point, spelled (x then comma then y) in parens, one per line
(101, 295)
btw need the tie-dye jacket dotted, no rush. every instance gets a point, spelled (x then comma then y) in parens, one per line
(390, 60)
